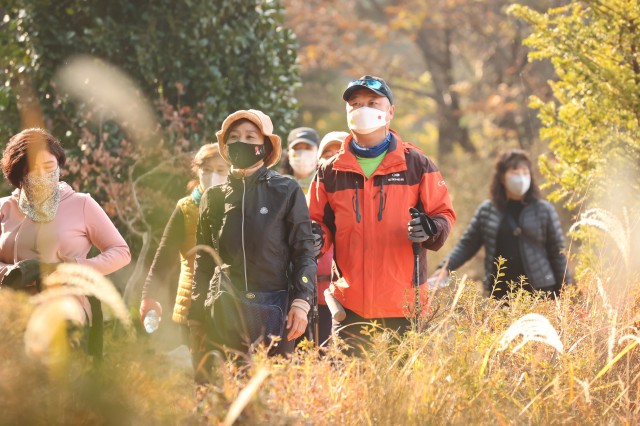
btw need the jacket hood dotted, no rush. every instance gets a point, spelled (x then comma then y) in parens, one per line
(265, 125)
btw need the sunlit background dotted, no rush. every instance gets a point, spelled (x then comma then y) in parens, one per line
(132, 88)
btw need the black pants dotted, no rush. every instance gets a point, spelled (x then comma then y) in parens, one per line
(349, 330)
(325, 324)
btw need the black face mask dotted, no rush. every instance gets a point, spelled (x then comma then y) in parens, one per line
(243, 154)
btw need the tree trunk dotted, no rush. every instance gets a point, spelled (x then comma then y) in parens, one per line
(451, 132)
(435, 45)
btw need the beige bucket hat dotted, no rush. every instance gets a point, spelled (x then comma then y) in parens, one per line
(265, 125)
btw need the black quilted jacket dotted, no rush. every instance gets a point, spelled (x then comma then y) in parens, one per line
(541, 244)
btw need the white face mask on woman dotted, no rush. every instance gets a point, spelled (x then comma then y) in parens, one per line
(518, 184)
(366, 120)
(209, 179)
(303, 161)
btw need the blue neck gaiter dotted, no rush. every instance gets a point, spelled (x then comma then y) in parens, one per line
(371, 152)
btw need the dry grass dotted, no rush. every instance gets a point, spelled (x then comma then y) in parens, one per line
(457, 371)
(131, 386)
(462, 369)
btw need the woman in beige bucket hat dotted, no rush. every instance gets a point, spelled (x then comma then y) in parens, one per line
(258, 222)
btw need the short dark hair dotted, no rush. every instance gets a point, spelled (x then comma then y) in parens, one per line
(15, 159)
(508, 160)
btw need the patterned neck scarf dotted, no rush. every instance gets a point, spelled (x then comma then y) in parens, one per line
(40, 196)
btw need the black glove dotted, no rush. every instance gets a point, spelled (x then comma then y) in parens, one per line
(23, 274)
(421, 226)
(318, 238)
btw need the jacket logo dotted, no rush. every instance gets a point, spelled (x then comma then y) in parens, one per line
(441, 183)
(395, 177)
(264, 210)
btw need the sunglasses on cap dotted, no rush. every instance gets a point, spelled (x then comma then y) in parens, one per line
(367, 82)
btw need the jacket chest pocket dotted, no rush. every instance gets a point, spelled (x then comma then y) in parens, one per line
(265, 218)
(534, 229)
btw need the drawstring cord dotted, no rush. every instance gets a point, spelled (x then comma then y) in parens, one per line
(383, 200)
(357, 203)
(317, 178)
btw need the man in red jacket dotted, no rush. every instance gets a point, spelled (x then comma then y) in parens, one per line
(360, 200)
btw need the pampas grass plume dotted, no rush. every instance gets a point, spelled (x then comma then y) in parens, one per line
(532, 328)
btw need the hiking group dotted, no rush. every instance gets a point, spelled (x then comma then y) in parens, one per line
(339, 238)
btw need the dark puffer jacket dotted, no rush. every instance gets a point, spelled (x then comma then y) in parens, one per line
(541, 244)
(265, 228)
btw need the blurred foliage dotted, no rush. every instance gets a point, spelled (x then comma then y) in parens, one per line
(200, 59)
(593, 126)
(131, 386)
(195, 61)
(224, 55)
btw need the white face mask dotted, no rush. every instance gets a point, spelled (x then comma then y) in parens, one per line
(209, 179)
(518, 184)
(303, 161)
(366, 120)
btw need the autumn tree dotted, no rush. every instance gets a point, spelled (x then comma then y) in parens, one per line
(593, 124)
(593, 130)
(460, 64)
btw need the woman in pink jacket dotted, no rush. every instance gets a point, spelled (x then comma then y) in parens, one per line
(45, 222)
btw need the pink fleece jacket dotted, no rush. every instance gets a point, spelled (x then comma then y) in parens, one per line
(79, 224)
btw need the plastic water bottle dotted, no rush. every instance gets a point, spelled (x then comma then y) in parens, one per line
(151, 321)
(439, 282)
(335, 307)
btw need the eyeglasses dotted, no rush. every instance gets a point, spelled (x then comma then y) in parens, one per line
(369, 83)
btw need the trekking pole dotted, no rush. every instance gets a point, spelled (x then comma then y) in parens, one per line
(430, 228)
(316, 336)
(416, 267)
(416, 276)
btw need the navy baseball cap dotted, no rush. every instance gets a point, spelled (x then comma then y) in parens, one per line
(373, 83)
(302, 135)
